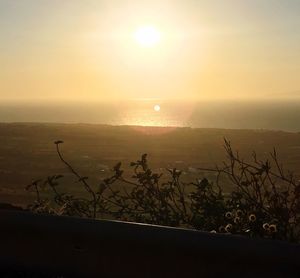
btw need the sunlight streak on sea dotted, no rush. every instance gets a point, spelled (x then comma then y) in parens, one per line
(144, 114)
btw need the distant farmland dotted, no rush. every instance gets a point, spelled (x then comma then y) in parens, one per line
(27, 151)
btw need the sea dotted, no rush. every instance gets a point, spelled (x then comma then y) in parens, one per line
(229, 114)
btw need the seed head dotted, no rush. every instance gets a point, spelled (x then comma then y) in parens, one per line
(228, 215)
(252, 217)
(228, 228)
(266, 226)
(273, 228)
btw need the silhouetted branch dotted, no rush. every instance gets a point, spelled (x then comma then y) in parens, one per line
(261, 202)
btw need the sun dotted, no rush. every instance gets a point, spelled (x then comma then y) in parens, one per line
(147, 36)
(156, 108)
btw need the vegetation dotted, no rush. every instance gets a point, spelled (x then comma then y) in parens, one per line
(264, 200)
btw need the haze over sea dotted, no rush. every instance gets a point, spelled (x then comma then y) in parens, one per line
(275, 114)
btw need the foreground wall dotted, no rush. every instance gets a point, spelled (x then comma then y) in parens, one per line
(76, 247)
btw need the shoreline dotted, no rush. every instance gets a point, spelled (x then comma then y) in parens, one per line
(142, 126)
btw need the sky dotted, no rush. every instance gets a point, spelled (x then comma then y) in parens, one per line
(87, 50)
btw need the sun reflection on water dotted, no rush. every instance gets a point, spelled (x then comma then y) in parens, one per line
(151, 114)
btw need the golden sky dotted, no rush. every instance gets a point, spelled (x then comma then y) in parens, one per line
(88, 50)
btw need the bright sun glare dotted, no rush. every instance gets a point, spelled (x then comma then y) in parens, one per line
(156, 107)
(147, 36)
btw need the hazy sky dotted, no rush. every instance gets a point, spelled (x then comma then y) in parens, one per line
(85, 50)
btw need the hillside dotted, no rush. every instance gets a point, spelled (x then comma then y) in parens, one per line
(27, 151)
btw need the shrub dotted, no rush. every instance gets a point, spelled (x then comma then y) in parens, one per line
(264, 200)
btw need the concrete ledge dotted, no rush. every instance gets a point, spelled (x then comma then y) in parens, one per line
(78, 247)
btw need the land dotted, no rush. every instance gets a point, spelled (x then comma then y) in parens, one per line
(27, 151)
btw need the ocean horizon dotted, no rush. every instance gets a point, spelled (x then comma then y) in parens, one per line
(239, 114)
